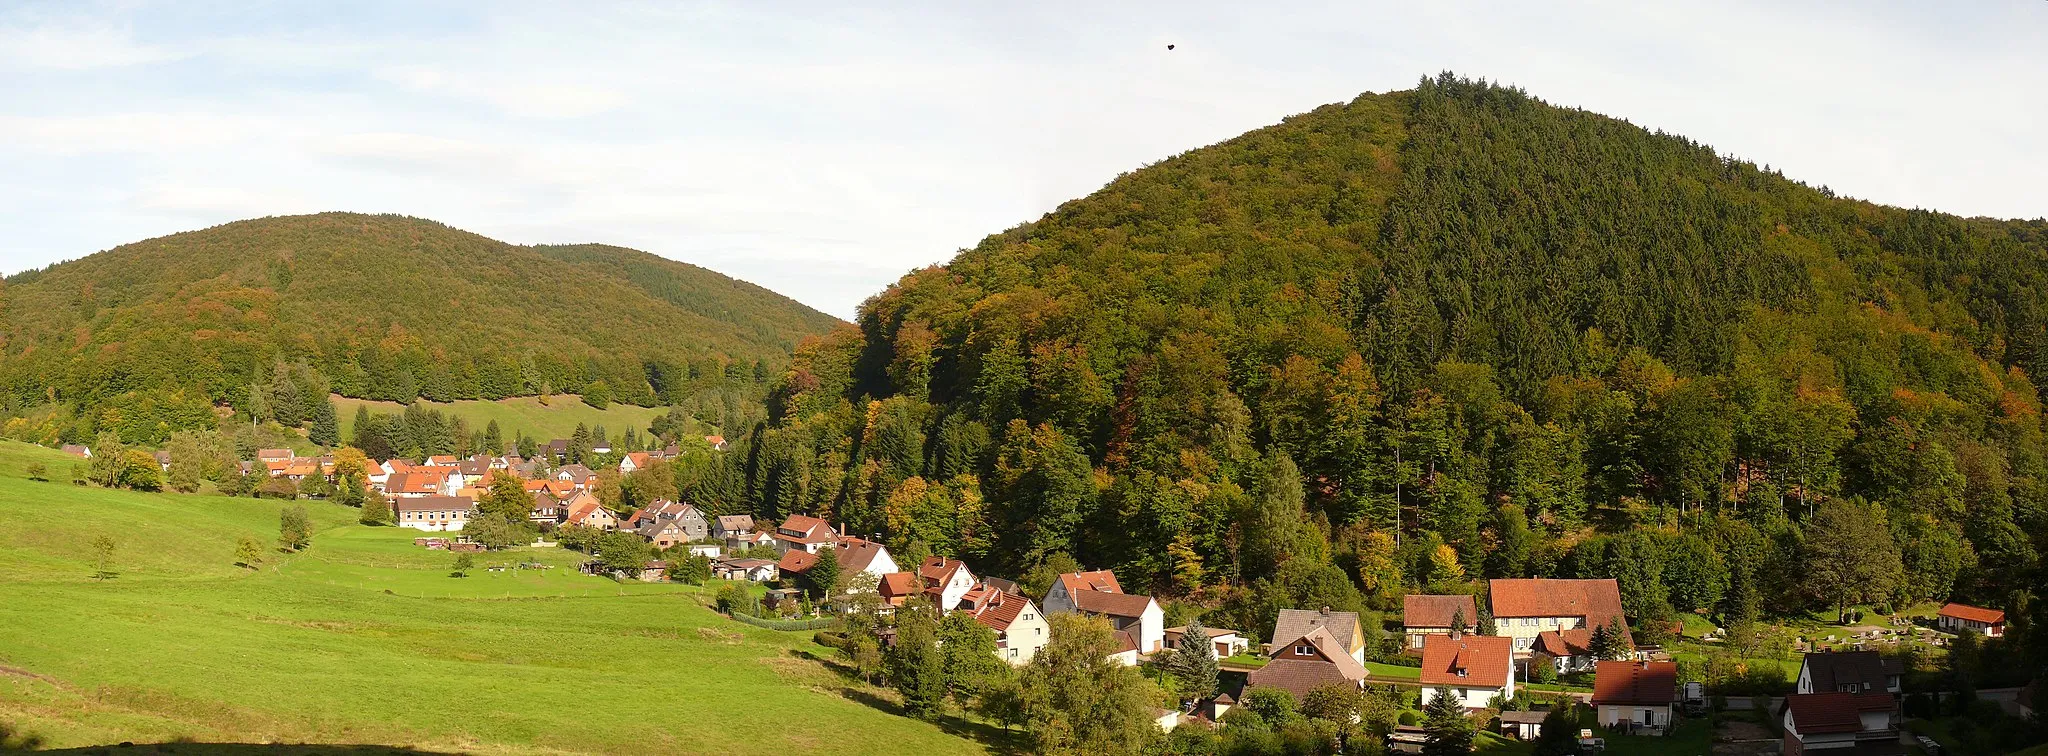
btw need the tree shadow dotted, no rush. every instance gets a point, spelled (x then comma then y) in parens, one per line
(995, 738)
(193, 748)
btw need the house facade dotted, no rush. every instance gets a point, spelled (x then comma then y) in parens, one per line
(1138, 618)
(1848, 672)
(804, 533)
(1963, 618)
(432, 513)
(1020, 627)
(1222, 643)
(1525, 608)
(946, 581)
(1636, 696)
(1307, 662)
(1436, 615)
(1470, 668)
(1344, 626)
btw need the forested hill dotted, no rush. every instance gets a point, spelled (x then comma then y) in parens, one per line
(1560, 337)
(380, 307)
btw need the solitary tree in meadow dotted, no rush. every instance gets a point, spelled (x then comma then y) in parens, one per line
(294, 528)
(103, 553)
(248, 553)
(463, 562)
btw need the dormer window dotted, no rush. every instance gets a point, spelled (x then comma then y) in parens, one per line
(1464, 672)
(1303, 650)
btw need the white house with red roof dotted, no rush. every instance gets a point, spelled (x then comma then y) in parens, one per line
(1957, 618)
(1525, 608)
(1839, 722)
(1473, 668)
(945, 580)
(1138, 620)
(1021, 629)
(432, 513)
(1423, 614)
(586, 511)
(804, 533)
(853, 554)
(1636, 696)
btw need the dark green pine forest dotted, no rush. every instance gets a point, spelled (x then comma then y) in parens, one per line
(150, 338)
(1424, 337)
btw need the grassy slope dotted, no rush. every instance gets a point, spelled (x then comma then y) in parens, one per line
(557, 419)
(365, 639)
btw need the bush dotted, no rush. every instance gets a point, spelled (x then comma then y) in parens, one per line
(38, 471)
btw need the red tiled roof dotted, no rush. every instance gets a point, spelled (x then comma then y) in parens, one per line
(999, 610)
(1437, 611)
(1598, 601)
(413, 483)
(1973, 613)
(811, 529)
(1629, 683)
(937, 569)
(1099, 580)
(1815, 713)
(856, 554)
(1573, 642)
(1483, 658)
(796, 561)
(895, 586)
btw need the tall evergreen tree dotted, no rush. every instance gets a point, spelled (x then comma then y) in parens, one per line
(326, 427)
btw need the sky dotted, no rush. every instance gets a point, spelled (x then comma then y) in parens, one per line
(823, 150)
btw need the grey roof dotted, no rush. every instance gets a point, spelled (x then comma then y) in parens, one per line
(1863, 670)
(1295, 623)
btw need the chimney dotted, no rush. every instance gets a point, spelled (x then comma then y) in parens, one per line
(1326, 611)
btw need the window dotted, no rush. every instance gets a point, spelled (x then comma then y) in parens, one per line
(1303, 650)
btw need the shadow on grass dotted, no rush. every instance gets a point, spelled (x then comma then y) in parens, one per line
(995, 738)
(191, 748)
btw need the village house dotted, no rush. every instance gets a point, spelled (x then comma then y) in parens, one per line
(273, 455)
(473, 470)
(945, 580)
(896, 588)
(1222, 643)
(634, 461)
(662, 532)
(556, 448)
(1567, 651)
(441, 460)
(1525, 608)
(547, 510)
(717, 443)
(1957, 618)
(423, 481)
(1436, 615)
(804, 533)
(855, 555)
(1344, 626)
(1636, 696)
(1848, 672)
(577, 475)
(1473, 668)
(688, 519)
(752, 570)
(1522, 725)
(725, 527)
(76, 450)
(1021, 629)
(1138, 620)
(1307, 662)
(1840, 722)
(586, 511)
(432, 512)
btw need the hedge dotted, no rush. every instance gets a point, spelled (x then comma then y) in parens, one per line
(821, 623)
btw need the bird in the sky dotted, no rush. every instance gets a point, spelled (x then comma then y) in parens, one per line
(1169, 47)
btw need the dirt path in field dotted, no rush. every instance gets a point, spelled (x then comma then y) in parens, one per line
(1741, 737)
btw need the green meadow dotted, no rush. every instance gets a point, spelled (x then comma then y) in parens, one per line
(525, 414)
(364, 639)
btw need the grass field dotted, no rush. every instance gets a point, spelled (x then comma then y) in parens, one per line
(556, 419)
(365, 639)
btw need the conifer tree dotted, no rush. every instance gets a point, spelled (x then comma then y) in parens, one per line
(326, 427)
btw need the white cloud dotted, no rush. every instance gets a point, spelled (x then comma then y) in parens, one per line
(79, 45)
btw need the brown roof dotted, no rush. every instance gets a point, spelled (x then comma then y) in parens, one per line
(1972, 613)
(273, 454)
(997, 610)
(938, 569)
(1297, 676)
(1294, 623)
(805, 529)
(855, 554)
(1099, 580)
(1113, 604)
(1598, 601)
(1419, 610)
(1482, 658)
(1006, 586)
(895, 586)
(432, 504)
(1577, 641)
(796, 561)
(1325, 645)
(1834, 712)
(735, 523)
(582, 508)
(1630, 683)
(412, 482)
